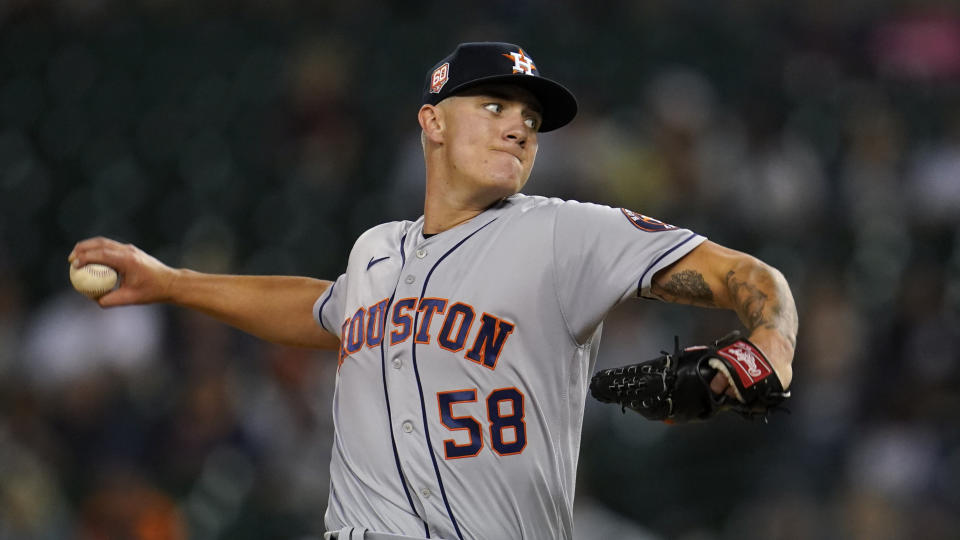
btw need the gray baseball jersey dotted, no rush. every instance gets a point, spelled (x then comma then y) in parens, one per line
(464, 363)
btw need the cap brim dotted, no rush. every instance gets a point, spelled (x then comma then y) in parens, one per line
(558, 104)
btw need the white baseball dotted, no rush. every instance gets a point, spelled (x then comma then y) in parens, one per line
(93, 280)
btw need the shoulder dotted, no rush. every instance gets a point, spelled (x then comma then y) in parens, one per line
(569, 213)
(526, 203)
(584, 214)
(532, 205)
(521, 203)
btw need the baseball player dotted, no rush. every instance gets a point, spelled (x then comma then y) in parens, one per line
(466, 338)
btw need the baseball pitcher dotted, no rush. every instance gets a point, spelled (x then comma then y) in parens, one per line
(467, 338)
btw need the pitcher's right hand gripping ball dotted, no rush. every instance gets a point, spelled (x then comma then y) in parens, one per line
(676, 387)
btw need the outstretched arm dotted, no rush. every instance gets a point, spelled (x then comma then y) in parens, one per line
(275, 308)
(714, 276)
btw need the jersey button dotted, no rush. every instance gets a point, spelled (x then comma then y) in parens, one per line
(407, 427)
(397, 363)
(409, 279)
(421, 253)
(426, 493)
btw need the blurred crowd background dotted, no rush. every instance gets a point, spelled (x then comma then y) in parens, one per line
(264, 136)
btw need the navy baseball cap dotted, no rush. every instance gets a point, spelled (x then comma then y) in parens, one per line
(472, 64)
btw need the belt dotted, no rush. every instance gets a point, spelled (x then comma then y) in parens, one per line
(359, 533)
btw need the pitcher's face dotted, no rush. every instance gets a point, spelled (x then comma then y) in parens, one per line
(491, 137)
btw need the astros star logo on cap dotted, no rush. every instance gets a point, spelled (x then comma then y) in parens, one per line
(521, 62)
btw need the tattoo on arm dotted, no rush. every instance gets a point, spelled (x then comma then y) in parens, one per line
(755, 309)
(688, 287)
(760, 298)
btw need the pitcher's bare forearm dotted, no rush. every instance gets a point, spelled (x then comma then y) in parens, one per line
(761, 297)
(278, 309)
(275, 308)
(714, 276)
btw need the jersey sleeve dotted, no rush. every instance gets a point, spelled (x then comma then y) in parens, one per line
(605, 255)
(328, 309)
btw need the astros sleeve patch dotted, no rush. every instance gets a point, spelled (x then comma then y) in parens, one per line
(646, 223)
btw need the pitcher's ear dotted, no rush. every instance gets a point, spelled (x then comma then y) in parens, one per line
(431, 122)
